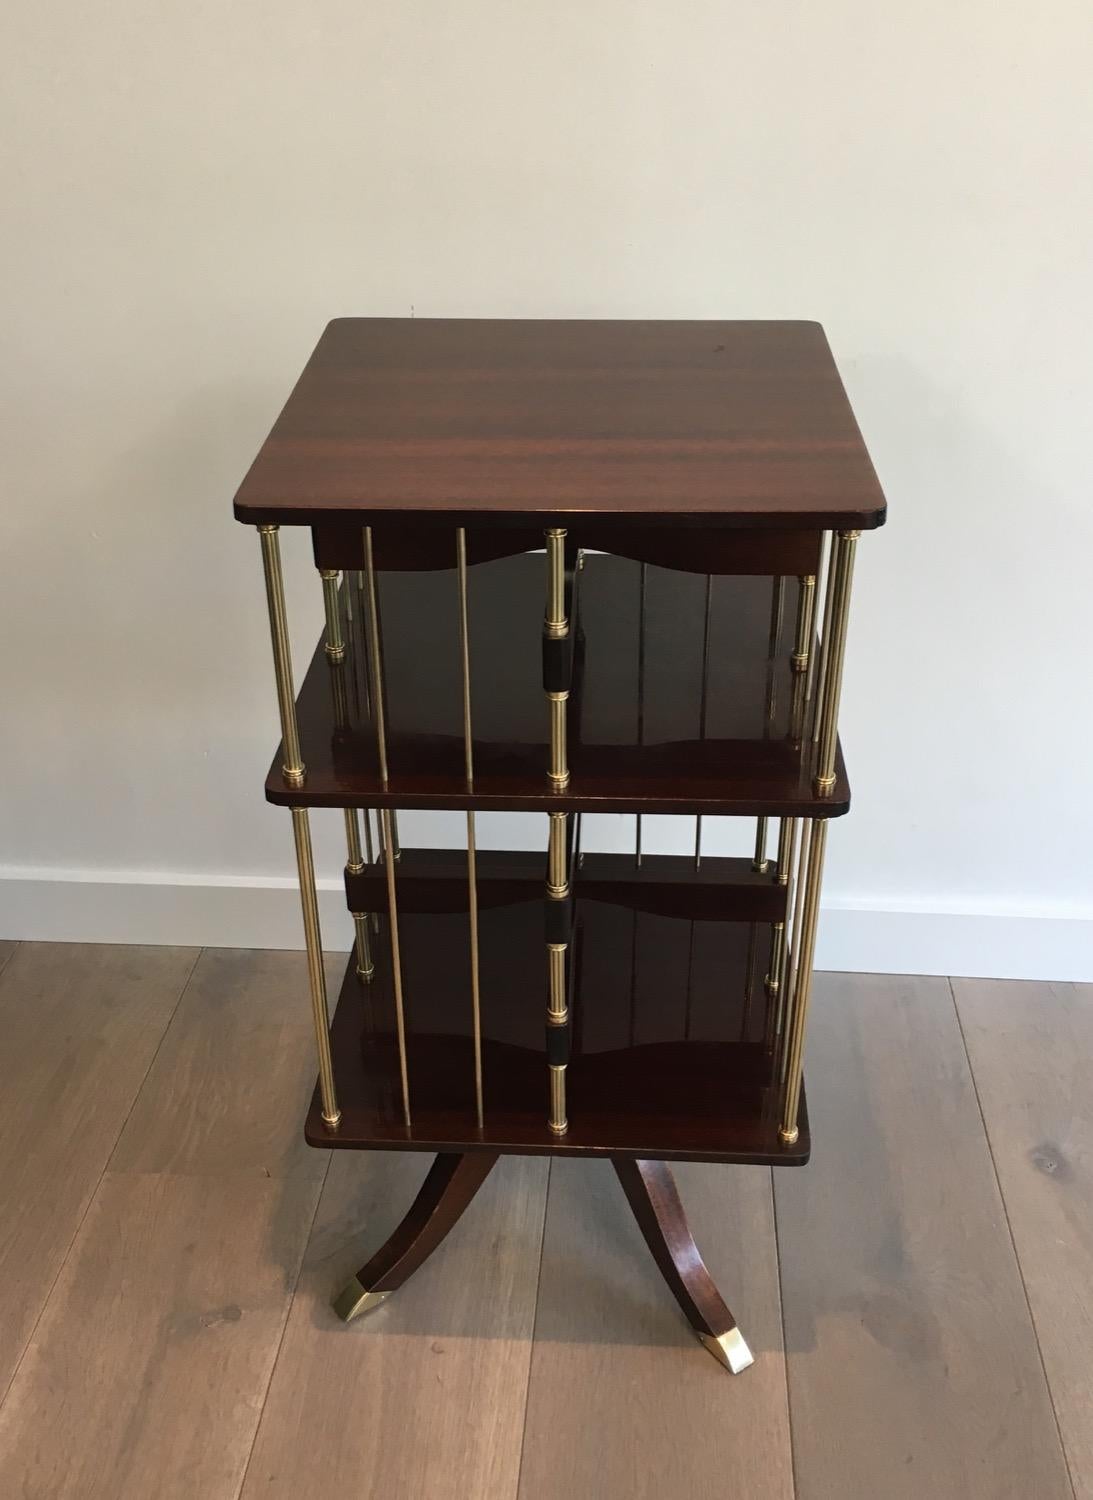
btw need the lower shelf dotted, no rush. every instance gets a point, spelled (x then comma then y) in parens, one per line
(669, 1056)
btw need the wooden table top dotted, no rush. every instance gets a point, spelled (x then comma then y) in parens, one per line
(464, 420)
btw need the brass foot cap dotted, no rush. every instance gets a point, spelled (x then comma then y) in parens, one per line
(366, 974)
(789, 1137)
(729, 1350)
(354, 1299)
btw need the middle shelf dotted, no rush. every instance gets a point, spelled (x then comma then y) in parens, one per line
(682, 699)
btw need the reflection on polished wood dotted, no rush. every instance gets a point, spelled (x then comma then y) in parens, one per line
(453, 420)
(746, 763)
(668, 1061)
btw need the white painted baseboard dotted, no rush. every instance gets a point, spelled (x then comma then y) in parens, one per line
(93, 906)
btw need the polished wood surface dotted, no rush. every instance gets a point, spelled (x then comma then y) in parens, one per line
(907, 1329)
(668, 1025)
(734, 422)
(949, 1398)
(1029, 1046)
(638, 741)
(717, 889)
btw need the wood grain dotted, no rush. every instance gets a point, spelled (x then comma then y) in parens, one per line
(147, 1372)
(424, 1396)
(80, 1026)
(624, 1403)
(1030, 1046)
(233, 1078)
(913, 1366)
(457, 419)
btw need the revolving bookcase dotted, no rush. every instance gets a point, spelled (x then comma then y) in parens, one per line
(571, 569)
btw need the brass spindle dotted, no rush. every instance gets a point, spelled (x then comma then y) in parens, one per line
(292, 768)
(643, 573)
(354, 865)
(396, 961)
(557, 1001)
(293, 771)
(842, 566)
(806, 940)
(305, 865)
(387, 827)
(335, 642)
(775, 984)
(556, 627)
(793, 942)
(472, 853)
(803, 643)
(703, 708)
(816, 662)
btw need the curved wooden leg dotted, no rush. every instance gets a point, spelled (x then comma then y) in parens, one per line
(654, 1199)
(452, 1182)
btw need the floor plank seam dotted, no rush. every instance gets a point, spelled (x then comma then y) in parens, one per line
(284, 1328)
(1013, 1242)
(785, 1344)
(98, 1184)
(534, 1329)
(11, 955)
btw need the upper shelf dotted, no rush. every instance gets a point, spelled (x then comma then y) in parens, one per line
(741, 424)
(645, 735)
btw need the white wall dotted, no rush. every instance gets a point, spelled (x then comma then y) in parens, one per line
(190, 191)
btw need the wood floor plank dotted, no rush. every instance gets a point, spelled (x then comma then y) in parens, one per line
(146, 1374)
(913, 1365)
(1030, 1046)
(6, 950)
(80, 1025)
(424, 1397)
(624, 1403)
(232, 1081)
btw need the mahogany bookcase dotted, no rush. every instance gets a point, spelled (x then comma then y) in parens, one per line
(569, 568)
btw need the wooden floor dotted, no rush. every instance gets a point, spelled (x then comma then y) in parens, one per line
(919, 1299)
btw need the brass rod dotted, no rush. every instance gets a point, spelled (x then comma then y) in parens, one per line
(377, 664)
(643, 575)
(354, 865)
(759, 859)
(355, 860)
(559, 769)
(803, 644)
(396, 961)
(557, 1120)
(366, 967)
(465, 653)
(803, 985)
(369, 852)
(814, 678)
(309, 903)
(472, 852)
(793, 938)
(347, 579)
(556, 626)
(557, 875)
(703, 702)
(396, 847)
(842, 561)
(555, 618)
(476, 1001)
(335, 642)
(293, 766)
(556, 970)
